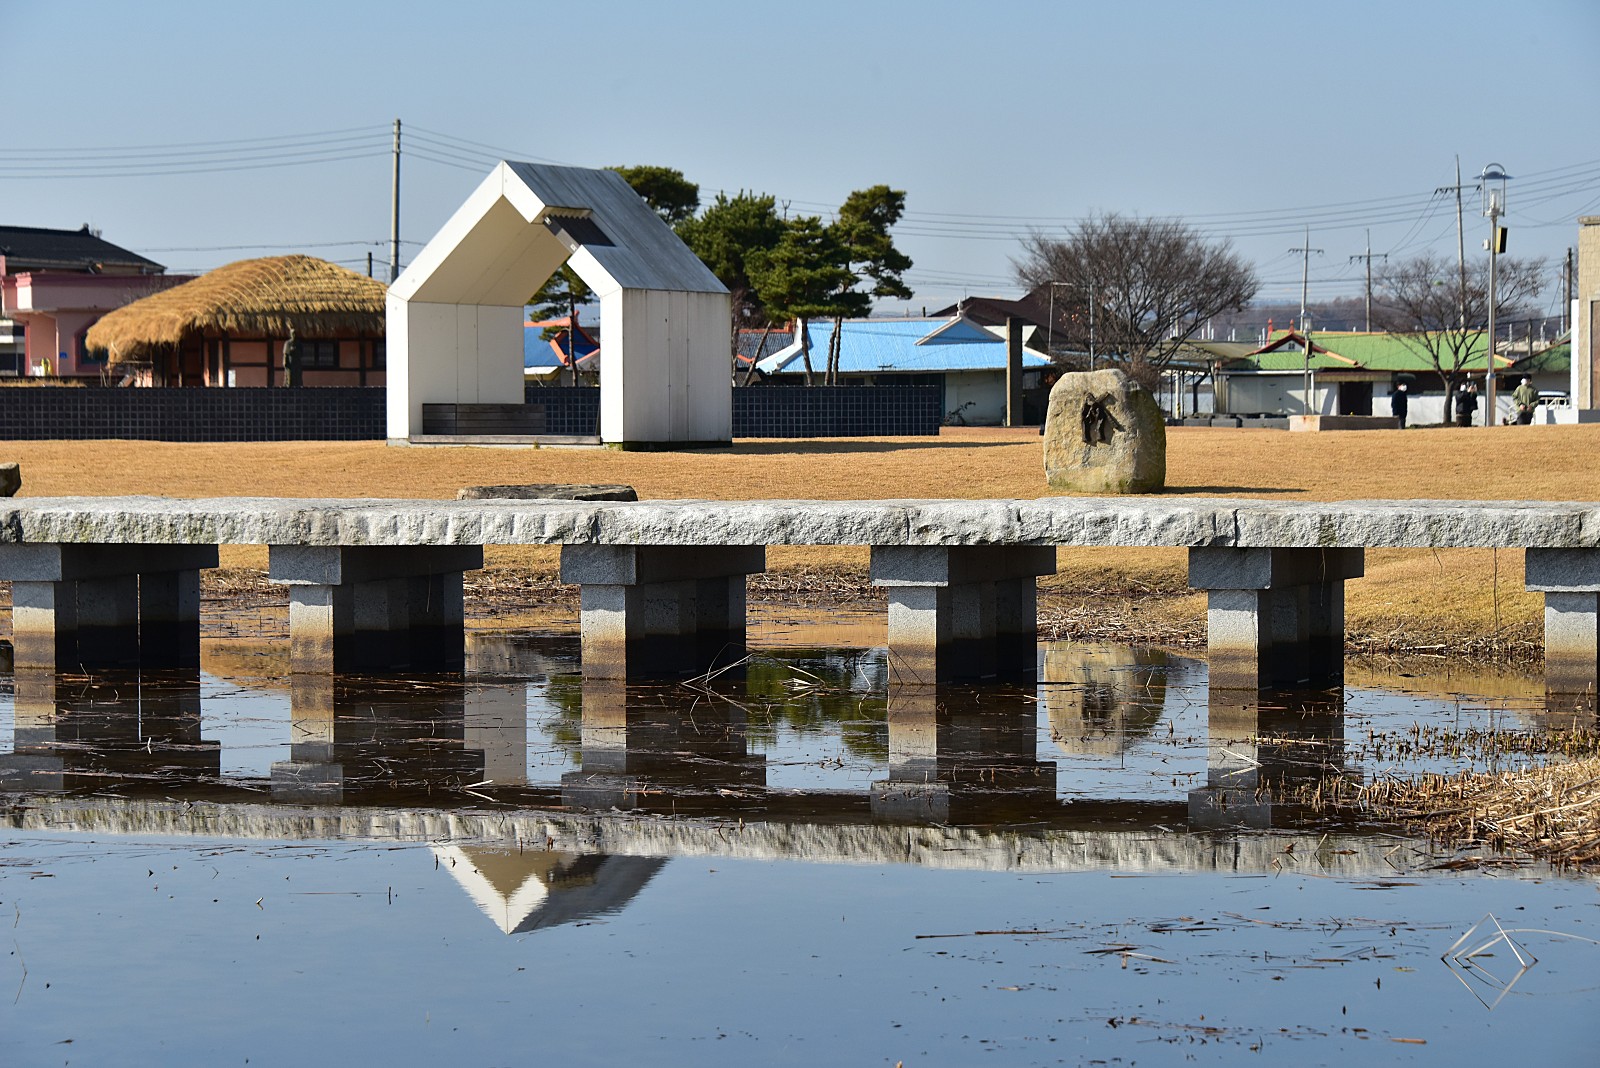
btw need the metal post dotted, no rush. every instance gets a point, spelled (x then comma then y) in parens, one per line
(1488, 378)
(394, 210)
(1305, 335)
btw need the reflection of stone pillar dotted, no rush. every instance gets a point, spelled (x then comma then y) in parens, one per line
(144, 728)
(353, 735)
(953, 749)
(966, 611)
(1570, 582)
(1275, 617)
(497, 726)
(661, 610)
(680, 746)
(34, 765)
(1100, 699)
(374, 608)
(104, 606)
(1254, 750)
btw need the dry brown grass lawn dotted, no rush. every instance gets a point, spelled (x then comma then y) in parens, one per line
(1408, 597)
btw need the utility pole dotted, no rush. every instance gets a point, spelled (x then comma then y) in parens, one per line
(1566, 303)
(1461, 241)
(1305, 334)
(1369, 257)
(394, 210)
(1494, 206)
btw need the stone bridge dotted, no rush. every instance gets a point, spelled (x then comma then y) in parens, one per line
(377, 584)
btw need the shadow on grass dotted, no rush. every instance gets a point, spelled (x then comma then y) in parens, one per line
(1220, 491)
(837, 445)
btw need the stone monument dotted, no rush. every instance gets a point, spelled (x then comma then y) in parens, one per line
(1103, 433)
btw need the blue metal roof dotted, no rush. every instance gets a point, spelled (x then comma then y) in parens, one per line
(871, 346)
(539, 351)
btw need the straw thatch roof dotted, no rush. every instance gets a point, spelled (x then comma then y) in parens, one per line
(250, 298)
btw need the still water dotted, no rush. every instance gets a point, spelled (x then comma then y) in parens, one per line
(805, 865)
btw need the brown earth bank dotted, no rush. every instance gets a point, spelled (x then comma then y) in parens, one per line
(1469, 602)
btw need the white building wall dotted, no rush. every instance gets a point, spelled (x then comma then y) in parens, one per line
(985, 390)
(450, 354)
(666, 367)
(1269, 394)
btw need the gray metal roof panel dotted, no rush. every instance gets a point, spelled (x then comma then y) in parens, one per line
(641, 251)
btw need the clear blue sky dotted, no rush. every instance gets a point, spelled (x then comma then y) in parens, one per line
(1248, 119)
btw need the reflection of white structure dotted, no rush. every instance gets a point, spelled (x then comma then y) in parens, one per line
(455, 316)
(524, 891)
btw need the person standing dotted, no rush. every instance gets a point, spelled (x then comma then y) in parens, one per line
(1526, 399)
(1399, 403)
(1466, 404)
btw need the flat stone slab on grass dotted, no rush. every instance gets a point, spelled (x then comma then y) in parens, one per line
(548, 492)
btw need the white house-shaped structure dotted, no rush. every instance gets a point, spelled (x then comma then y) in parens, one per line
(456, 313)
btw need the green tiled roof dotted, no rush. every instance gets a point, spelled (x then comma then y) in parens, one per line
(1372, 352)
(1557, 359)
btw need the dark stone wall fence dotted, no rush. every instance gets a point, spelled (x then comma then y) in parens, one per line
(243, 413)
(357, 413)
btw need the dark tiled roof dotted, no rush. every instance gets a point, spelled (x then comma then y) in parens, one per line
(992, 311)
(32, 248)
(748, 341)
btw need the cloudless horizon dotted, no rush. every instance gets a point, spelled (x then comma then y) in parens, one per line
(198, 134)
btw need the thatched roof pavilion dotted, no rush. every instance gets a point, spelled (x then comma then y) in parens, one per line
(236, 317)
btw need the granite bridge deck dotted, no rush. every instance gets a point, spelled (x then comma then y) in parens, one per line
(377, 584)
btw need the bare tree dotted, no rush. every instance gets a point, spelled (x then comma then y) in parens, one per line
(1422, 302)
(1153, 282)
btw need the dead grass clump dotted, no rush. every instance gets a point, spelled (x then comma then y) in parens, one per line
(1551, 812)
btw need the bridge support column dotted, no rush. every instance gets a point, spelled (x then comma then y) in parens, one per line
(91, 606)
(1274, 617)
(661, 610)
(374, 607)
(1570, 582)
(961, 611)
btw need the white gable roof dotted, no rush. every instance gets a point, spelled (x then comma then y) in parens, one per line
(527, 219)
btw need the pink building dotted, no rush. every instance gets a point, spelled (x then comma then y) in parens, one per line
(57, 283)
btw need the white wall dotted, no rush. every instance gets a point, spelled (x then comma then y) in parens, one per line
(450, 354)
(1257, 394)
(985, 389)
(666, 367)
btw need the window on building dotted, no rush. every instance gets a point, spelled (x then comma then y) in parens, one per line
(379, 356)
(319, 355)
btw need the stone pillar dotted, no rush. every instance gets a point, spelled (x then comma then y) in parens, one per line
(961, 611)
(661, 610)
(94, 606)
(1570, 582)
(1274, 617)
(374, 607)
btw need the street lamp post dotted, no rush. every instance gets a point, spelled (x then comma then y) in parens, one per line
(1493, 182)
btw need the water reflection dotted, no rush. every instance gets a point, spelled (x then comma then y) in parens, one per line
(528, 889)
(962, 755)
(1258, 750)
(1102, 699)
(116, 730)
(358, 738)
(663, 749)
